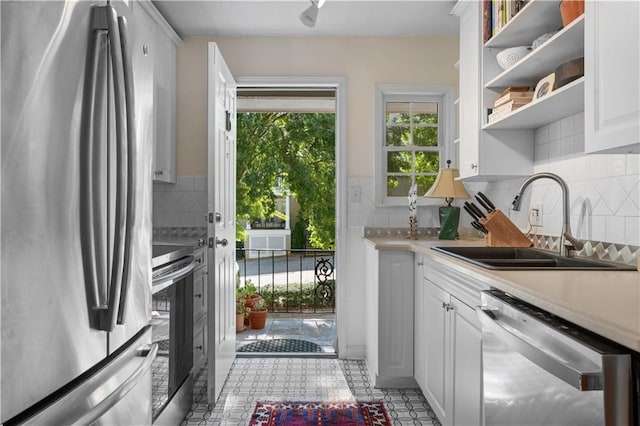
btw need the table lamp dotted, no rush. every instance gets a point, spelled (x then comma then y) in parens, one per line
(446, 186)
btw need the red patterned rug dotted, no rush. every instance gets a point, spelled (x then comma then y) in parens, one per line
(299, 413)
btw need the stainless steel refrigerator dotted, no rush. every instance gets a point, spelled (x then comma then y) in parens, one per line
(77, 105)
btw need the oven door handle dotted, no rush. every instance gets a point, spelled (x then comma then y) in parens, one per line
(572, 375)
(173, 277)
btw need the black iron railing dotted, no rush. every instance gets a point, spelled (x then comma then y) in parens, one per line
(301, 281)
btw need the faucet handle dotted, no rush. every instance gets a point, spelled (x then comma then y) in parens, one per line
(574, 243)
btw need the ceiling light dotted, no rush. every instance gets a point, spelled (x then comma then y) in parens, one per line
(309, 16)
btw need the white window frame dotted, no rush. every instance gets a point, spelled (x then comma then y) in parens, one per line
(446, 118)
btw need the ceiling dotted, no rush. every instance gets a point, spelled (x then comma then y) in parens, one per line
(267, 18)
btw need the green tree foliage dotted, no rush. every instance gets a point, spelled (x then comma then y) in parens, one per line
(299, 148)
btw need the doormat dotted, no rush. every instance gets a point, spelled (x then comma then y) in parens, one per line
(281, 345)
(292, 413)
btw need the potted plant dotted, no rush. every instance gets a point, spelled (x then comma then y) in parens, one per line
(250, 294)
(258, 314)
(242, 312)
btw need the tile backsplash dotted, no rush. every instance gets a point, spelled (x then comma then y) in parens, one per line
(180, 205)
(604, 189)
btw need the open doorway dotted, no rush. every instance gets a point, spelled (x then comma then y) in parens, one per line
(286, 203)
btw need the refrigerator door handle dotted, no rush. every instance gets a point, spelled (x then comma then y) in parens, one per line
(106, 282)
(121, 172)
(121, 391)
(131, 169)
(93, 216)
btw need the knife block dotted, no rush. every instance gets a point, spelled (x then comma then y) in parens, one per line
(502, 232)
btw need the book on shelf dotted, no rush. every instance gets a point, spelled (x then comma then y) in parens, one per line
(505, 109)
(497, 13)
(521, 97)
(486, 20)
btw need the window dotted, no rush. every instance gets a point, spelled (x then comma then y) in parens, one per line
(412, 133)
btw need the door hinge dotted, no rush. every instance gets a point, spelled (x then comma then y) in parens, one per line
(227, 124)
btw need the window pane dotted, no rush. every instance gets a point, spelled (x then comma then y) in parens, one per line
(398, 186)
(399, 162)
(425, 112)
(424, 183)
(427, 162)
(398, 113)
(398, 136)
(425, 136)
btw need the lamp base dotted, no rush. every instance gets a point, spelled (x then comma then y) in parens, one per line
(449, 220)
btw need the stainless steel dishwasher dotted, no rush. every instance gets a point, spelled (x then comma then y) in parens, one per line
(541, 370)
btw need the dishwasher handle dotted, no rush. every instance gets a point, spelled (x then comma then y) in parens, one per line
(581, 380)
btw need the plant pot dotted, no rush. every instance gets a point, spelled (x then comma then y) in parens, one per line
(258, 319)
(251, 300)
(570, 10)
(249, 304)
(239, 323)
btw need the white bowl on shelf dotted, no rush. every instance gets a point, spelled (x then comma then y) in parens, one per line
(508, 57)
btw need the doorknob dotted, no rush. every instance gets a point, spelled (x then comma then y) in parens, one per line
(221, 242)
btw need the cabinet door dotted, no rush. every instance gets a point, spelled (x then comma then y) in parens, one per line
(199, 344)
(199, 293)
(612, 67)
(165, 116)
(469, 89)
(420, 339)
(395, 351)
(438, 368)
(466, 336)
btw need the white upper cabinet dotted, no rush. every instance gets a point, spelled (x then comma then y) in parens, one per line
(612, 71)
(484, 155)
(503, 147)
(163, 50)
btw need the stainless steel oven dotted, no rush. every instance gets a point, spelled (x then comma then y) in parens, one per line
(172, 331)
(541, 370)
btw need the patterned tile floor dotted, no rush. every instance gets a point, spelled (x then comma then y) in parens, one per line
(301, 379)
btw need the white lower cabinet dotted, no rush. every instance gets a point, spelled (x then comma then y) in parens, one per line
(390, 317)
(448, 354)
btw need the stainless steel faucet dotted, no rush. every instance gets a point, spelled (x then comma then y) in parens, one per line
(567, 241)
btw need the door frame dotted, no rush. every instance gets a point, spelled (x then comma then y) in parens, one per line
(340, 86)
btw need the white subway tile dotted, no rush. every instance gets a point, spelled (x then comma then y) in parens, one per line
(616, 165)
(185, 183)
(541, 154)
(598, 166)
(554, 131)
(567, 127)
(633, 164)
(542, 135)
(200, 183)
(579, 123)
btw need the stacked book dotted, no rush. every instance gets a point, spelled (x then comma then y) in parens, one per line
(508, 103)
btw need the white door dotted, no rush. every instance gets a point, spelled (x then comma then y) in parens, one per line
(222, 215)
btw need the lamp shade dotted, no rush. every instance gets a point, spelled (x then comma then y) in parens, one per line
(446, 186)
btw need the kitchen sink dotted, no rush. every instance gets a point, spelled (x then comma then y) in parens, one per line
(516, 258)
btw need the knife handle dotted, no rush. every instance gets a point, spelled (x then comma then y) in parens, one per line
(483, 204)
(487, 200)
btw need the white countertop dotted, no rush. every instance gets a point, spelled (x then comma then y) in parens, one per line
(605, 302)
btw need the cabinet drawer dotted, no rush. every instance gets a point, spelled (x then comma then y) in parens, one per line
(199, 293)
(200, 257)
(199, 344)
